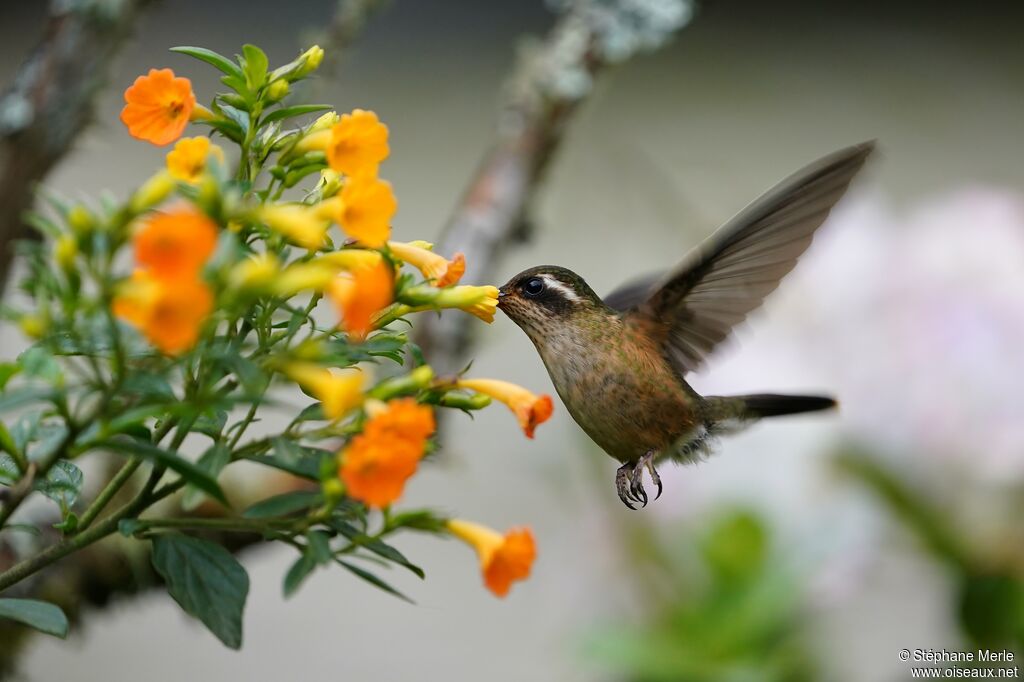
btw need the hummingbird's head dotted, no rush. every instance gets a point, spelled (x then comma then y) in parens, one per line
(546, 299)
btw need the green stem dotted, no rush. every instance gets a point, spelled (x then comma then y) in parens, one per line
(54, 553)
(107, 494)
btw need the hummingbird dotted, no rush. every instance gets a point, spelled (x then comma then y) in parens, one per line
(619, 363)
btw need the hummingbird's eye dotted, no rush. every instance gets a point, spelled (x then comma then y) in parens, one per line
(533, 287)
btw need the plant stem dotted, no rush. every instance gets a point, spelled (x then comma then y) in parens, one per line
(146, 497)
(107, 494)
(241, 525)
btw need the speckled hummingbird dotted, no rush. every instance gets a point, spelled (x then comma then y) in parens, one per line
(618, 364)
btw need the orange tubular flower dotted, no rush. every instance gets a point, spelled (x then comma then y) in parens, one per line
(169, 314)
(440, 270)
(175, 244)
(530, 409)
(158, 106)
(504, 559)
(361, 294)
(358, 143)
(367, 206)
(376, 464)
(187, 161)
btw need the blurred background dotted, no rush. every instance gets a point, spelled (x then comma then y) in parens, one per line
(809, 548)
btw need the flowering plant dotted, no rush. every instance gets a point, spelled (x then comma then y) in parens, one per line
(164, 325)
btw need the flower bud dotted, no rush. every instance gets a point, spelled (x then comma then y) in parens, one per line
(152, 192)
(34, 326)
(311, 60)
(277, 90)
(81, 220)
(254, 273)
(325, 122)
(65, 251)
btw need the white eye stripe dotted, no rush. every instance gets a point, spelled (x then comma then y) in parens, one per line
(567, 293)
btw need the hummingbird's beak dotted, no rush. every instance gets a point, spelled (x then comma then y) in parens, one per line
(502, 293)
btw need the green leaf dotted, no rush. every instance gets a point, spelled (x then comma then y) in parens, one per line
(9, 473)
(320, 546)
(218, 61)
(38, 362)
(300, 460)
(48, 438)
(63, 483)
(292, 112)
(283, 504)
(148, 385)
(237, 116)
(298, 572)
(228, 129)
(206, 581)
(376, 546)
(314, 412)
(27, 394)
(373, 580)
(190, 471)
(253, 380)
(211, 422)
(7, 370)
(255, 66)
(422, 520)
(213, 461)
(40, 615)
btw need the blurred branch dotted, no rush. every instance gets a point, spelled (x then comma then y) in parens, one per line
(550, 82)
(347, 24)
(51, 101)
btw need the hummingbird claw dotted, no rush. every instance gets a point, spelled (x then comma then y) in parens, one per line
(655, 478)
(637, 486)
(622, 484)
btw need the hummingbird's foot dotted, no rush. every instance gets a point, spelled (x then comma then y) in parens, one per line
(623, 479)
(647, 461)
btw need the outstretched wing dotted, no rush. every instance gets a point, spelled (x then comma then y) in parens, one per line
(697, 304)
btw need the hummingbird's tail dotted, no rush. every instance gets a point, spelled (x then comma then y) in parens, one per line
(756, 406)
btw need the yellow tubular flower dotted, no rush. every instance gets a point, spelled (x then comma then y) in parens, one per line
(350, 259)
(315, 140)
(504, 559)
(310, 276)
(529, 408)
(441, 271)
(188, 160)
(296, 222)
(337, 393)
(480, 301)
(254, 273)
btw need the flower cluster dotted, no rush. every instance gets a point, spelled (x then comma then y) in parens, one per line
(220, 258)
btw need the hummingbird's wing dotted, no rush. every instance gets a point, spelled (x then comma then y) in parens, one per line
(695, 306)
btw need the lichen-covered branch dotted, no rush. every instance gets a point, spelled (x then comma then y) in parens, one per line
(550, 82)
(51, 101)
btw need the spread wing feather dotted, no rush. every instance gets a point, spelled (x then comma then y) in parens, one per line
(719, 282)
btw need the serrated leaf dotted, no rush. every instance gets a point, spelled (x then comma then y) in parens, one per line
(298, 573)
(212, 58)
(283, 504)
(63, 483)
(206, 581)
(293, 111)
(9, 473)
(373, 580)
(39, 615)
(188, 470)
(213, 461)
(255, 66)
